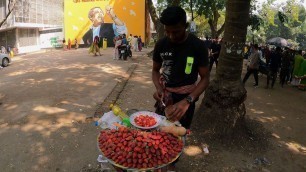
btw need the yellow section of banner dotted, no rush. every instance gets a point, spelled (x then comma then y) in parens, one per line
(77, 22)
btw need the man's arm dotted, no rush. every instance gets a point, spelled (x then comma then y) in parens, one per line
(203, 83)
(155, 78)
(182, 106)
(111, 13)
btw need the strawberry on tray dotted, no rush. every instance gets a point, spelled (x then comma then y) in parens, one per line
(136, 149)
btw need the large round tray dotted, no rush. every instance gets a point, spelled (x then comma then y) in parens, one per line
(142, 169)
(152, 114)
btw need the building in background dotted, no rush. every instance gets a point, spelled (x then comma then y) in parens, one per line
(33, 24)
(37, 24)
(130, 12)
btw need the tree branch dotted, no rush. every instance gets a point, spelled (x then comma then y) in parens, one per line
(216, 15)
(196, 16)
(221, 30)
(11, 6)
(212, 27)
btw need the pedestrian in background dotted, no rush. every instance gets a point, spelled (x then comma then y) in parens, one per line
(129, 39)
(285, 66)
(135, 41)
(215, 52)
(76, 43)
(139, 40)
(3, 50)
(69, 44)
(64, 44)
(9, 49)
(302, 75)
(274, 64)
(96, 46)
(207, 42)
(298, 59)
(253, 66)
(118, 42)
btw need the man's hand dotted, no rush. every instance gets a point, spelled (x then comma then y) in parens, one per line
(177, 111)
(158, 95)
(108, 8)
(110, 11)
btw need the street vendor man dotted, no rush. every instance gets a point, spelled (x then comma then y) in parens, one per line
(178, 59)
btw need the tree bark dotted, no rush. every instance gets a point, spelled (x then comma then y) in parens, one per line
(221, 30)
(155, 19)
(191, 9)
(222, 109)
(148, 26)
(212, 28)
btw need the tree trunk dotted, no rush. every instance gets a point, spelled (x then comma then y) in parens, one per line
(222, 108)
(148, 34)
(212, 28)
(155, 19)
(191, 9)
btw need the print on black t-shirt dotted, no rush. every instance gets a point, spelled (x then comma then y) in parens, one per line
(174, 58)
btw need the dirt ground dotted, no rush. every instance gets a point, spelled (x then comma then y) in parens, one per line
(43, 124)
(281, 111)
(44, 101)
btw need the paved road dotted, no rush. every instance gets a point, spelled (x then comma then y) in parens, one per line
(44, 99)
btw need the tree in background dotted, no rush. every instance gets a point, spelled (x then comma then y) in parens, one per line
(10, 7)
(301, 37)
(266, 21)
(285, 20)
(161, 4)
(222, 109)
(211, 10)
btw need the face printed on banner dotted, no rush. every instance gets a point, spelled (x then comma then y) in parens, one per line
(96, 16)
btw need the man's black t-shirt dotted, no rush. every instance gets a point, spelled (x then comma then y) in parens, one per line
(180, 62)
(215, 47)
(207, 43)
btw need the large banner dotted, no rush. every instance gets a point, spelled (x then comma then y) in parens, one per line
(86, 19)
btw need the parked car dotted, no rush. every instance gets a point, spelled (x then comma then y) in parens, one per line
(5, 59)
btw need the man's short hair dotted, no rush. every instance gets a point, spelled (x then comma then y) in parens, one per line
(256, 46)
(92, 10)
(173, 15)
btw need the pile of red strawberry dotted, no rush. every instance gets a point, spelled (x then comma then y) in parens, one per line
(139, 149)
(145, 121)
